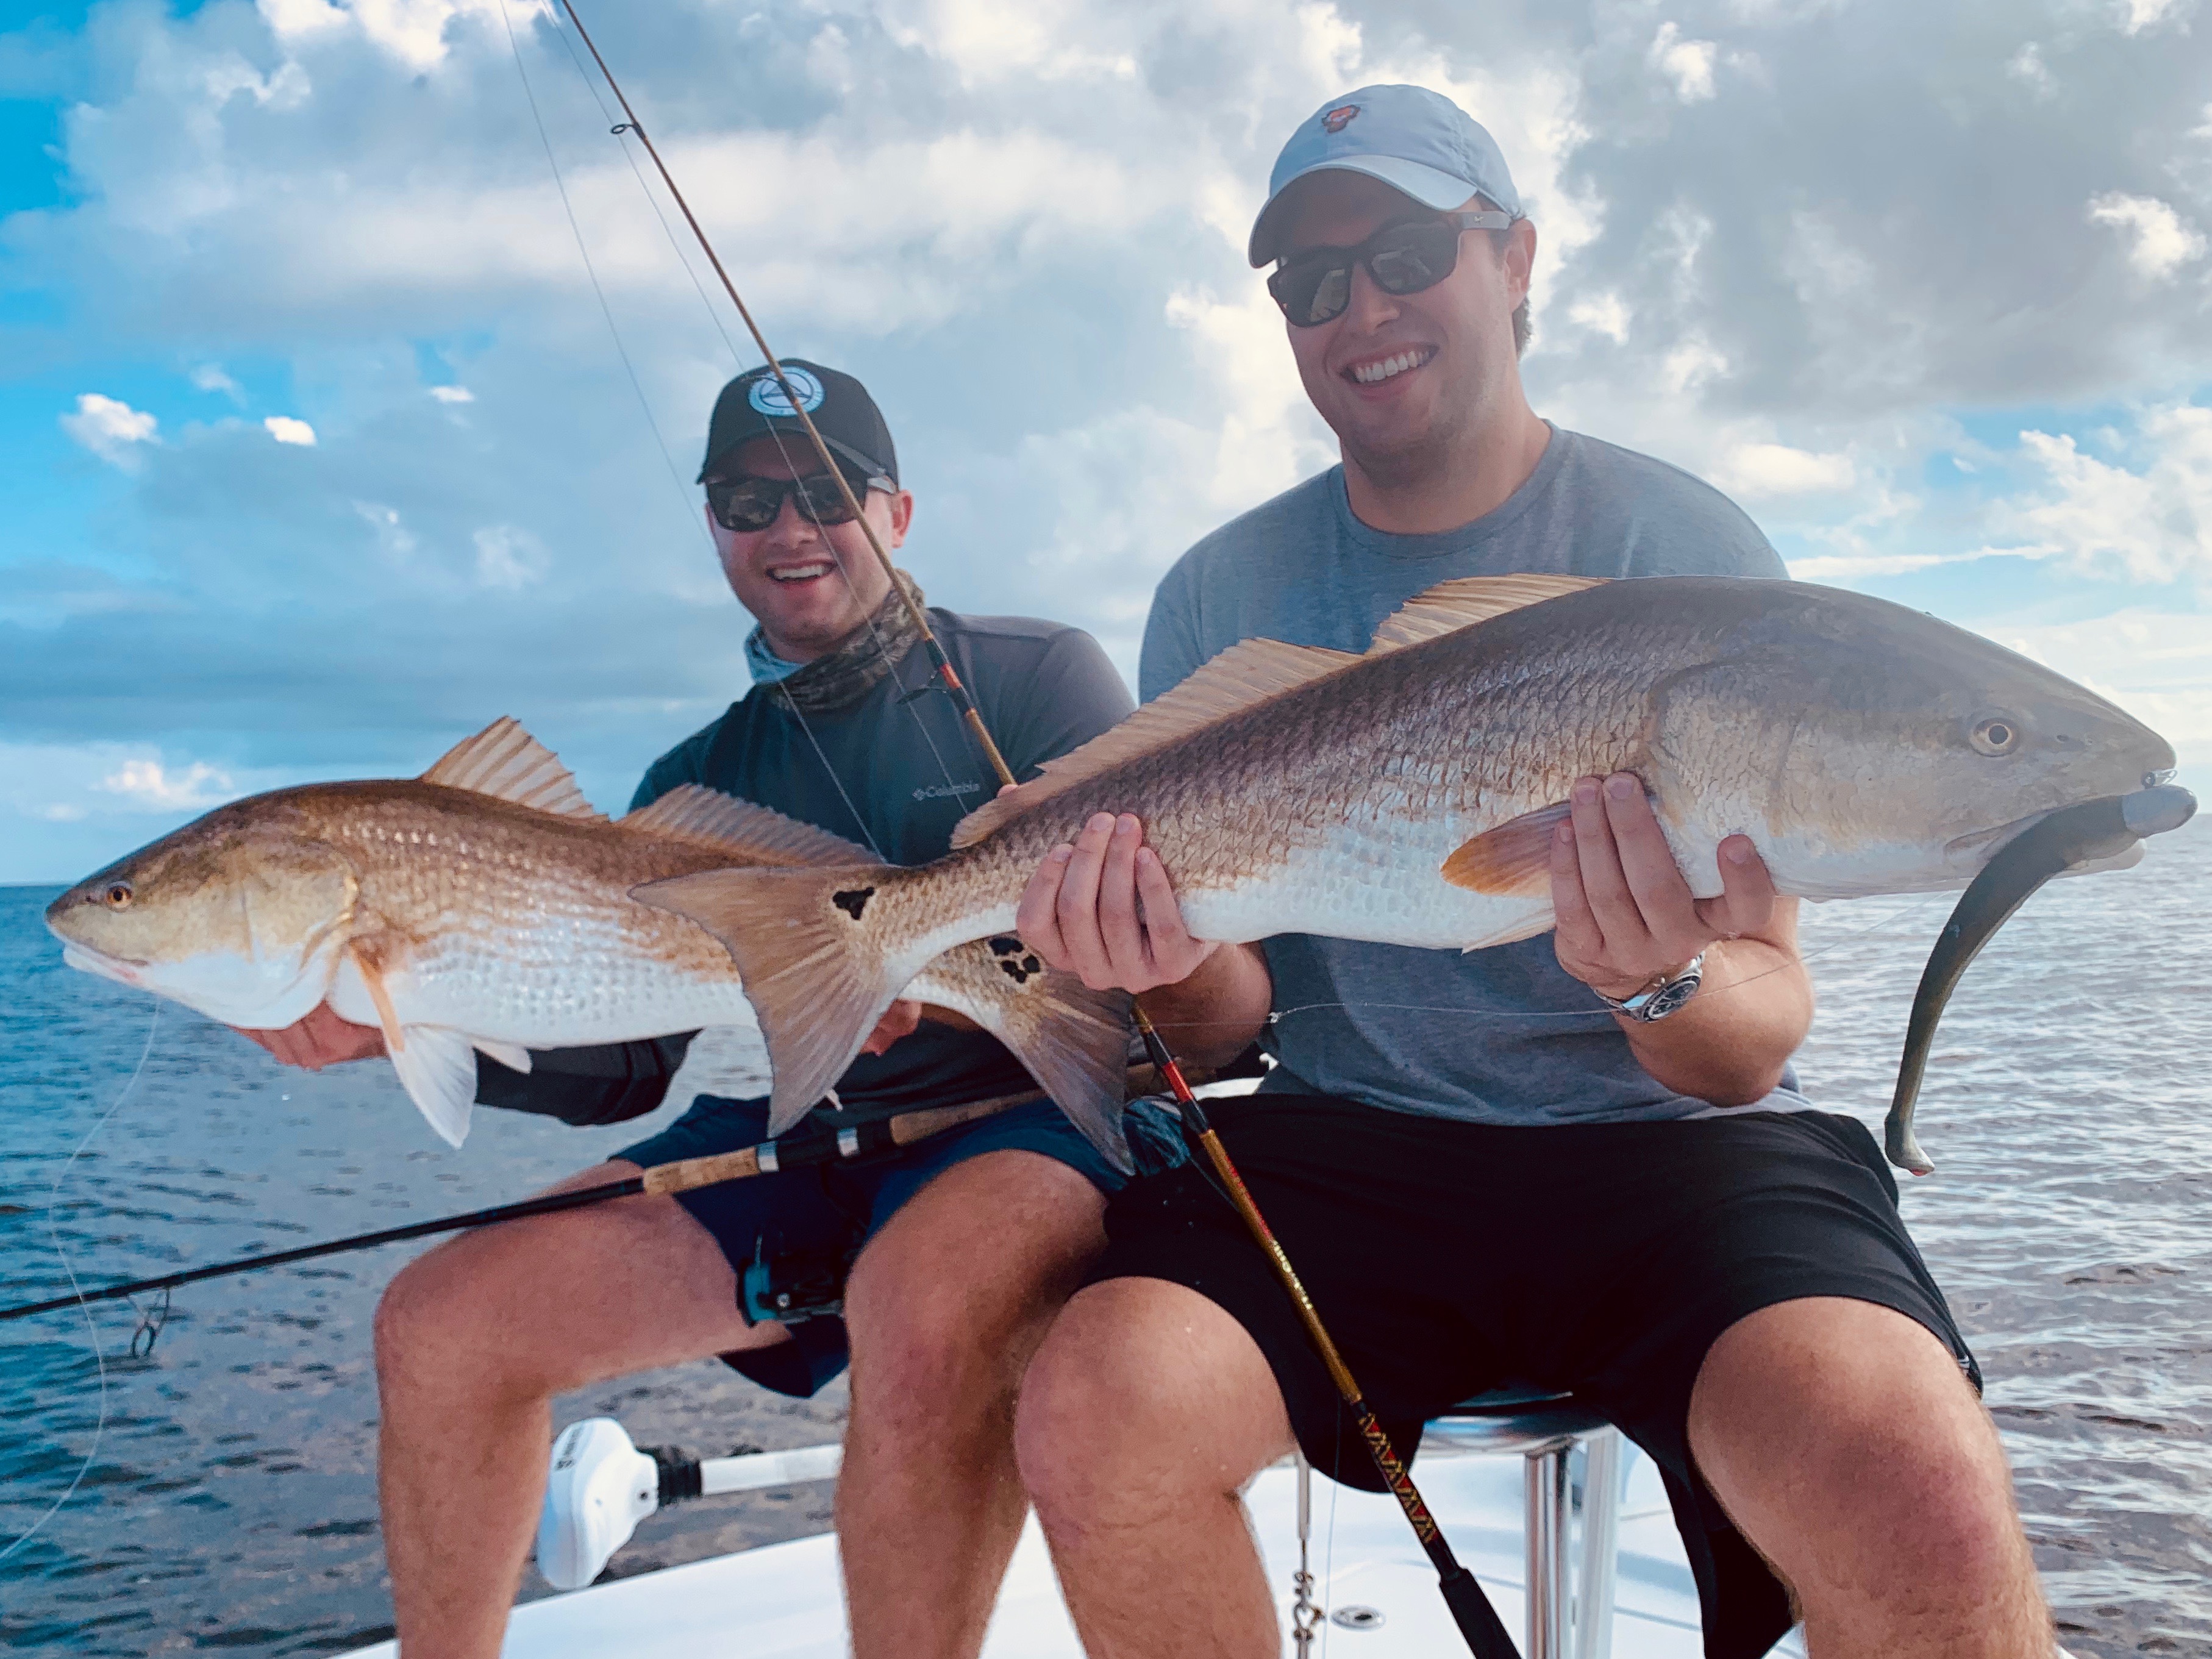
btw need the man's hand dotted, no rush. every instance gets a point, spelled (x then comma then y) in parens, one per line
(1625, 915)
(319, 1039)
(899, 1020)
(1104, 910)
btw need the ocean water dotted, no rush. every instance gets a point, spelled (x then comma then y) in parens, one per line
(230, 1502)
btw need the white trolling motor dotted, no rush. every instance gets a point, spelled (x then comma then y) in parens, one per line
(600, 1487)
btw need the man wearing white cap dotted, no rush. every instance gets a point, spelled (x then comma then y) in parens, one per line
(1582, 1161)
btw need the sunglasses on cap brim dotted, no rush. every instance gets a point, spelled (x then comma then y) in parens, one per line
(1313, 287)
(747, 503)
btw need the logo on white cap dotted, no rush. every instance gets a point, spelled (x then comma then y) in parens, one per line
(1339, 118)
(767, 396)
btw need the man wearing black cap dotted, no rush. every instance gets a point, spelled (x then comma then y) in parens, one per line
(1580, 1162)
(972, 1237)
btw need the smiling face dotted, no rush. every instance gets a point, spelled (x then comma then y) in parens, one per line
(1407, 381)
(809, 586)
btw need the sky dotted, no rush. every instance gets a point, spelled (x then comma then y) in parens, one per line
(334, 424)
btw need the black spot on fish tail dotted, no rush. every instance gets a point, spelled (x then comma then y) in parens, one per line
(853, 899)
(1005, 944)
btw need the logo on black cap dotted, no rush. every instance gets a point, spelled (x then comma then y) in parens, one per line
(1339, 118)
(767, 394)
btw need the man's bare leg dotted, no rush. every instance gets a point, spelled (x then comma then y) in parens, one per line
(1142, 1417)
(1839, 1434)
(945, 1308)
(473, 1339)
(1843, 1440)
(476, 1338)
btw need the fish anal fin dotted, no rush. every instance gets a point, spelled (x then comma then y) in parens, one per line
(1242, 677)
(750, 834)
(1465, 600)
(438, 1069)
(1511, 861)
(512, 1055)
(506, 762)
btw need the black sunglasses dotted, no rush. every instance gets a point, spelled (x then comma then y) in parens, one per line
(1315, 287)
(747, 503)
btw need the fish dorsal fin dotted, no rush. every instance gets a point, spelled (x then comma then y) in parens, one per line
(505, 762)
(750, 834)
(1465, 600)
(1240, 678)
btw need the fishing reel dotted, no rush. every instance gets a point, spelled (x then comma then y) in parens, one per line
(600, 1487)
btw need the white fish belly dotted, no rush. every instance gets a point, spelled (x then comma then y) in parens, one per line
(583, 983)
(1379, 880)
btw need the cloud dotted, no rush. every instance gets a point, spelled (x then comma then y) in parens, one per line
(109, 429)
(1023, 224)
(1687, 64)
(509, 557)
(2155, 524)
(1759, 471)
(210, 377)
(2159, 243)
(148, 784)
(287, 430)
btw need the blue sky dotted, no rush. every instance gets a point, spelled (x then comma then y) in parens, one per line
(320, 454)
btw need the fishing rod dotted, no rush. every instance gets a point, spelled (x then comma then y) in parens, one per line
(683, 1175)
(1477, 1619)
(943, 663)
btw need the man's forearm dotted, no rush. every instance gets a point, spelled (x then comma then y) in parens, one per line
(1729, 1042)
(1213, 1016)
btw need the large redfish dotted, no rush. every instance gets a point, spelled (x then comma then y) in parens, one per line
(486, 906)
(1409, 795)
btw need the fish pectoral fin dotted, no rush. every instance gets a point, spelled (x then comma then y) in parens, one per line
(368, 962)
(1460, 603)
(750, 834)
(512, 1055)
(506, 762)
(1513, 860)
(438, 1068)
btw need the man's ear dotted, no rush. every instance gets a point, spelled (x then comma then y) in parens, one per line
(1520, 258)
(902, 516)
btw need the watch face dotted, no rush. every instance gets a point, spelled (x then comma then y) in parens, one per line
(1666, 999)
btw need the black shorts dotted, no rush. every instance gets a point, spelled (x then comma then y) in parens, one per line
(1448, 1258)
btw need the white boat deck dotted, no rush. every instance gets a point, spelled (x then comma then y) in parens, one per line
(782, 1602)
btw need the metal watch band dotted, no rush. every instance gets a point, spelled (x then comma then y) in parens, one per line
(1663, 997)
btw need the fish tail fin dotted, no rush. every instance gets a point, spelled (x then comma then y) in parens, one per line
(817, 963)
(1072, 1039)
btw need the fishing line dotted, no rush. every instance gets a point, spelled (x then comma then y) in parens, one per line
(645, 404)
(1918, 903)
(91, 1327)
(576, 231)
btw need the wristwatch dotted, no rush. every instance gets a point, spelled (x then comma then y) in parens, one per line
(1664, 996)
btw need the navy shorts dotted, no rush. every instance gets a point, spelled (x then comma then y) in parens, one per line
(827, 1212)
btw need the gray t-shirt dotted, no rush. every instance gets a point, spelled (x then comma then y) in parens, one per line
(1503, 1035)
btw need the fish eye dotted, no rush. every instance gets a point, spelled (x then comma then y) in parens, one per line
(1995, 736)
(118, 895)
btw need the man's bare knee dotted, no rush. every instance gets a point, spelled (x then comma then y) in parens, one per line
(1850, 1448)
(1144, 1394)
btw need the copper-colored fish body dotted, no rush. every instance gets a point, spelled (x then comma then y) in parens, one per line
(1406, 796)
(486, 906)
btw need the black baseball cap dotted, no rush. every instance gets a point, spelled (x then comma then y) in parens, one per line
(754, 405)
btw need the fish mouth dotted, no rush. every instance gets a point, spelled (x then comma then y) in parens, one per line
(85, 959)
